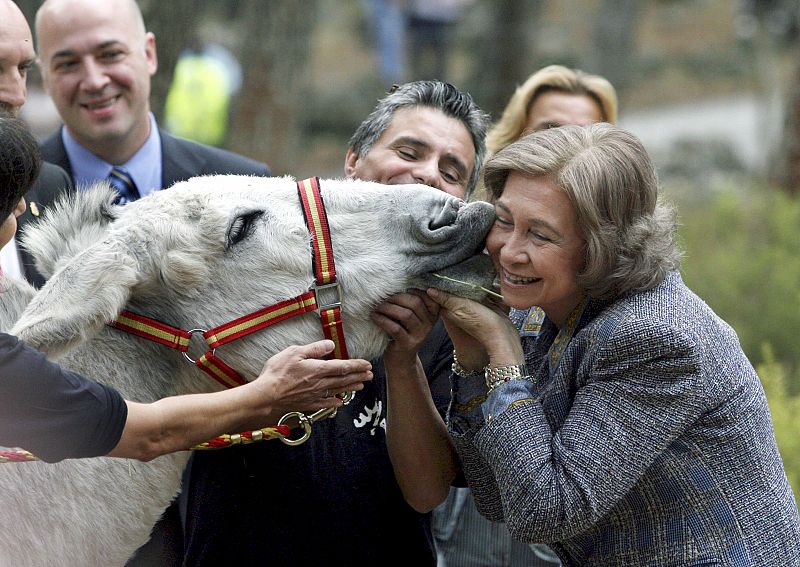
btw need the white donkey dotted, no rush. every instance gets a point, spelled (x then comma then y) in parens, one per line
(201, 254)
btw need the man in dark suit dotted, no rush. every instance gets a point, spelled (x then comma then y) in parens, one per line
(16, 57)
(97, 59)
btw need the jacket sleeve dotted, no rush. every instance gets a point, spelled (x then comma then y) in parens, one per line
(53, 413)
(640, 388)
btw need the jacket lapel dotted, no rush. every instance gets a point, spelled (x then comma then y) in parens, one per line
(178, 162)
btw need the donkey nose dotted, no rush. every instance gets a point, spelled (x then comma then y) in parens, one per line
(446, 215)
(433, 214)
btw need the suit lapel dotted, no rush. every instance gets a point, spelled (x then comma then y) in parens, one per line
(178, 162)
(53, 151)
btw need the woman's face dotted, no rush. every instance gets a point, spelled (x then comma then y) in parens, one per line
(9, 226)
(536, 247)
(552, 109)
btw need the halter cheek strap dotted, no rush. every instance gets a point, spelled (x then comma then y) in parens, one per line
(324, 268)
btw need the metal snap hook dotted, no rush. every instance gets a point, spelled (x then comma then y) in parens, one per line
(305, 423)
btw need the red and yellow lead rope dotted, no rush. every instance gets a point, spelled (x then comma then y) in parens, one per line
(20, 456)
(221, 442)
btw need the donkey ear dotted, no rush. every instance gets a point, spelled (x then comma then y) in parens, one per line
(88, 292)
(73, 223)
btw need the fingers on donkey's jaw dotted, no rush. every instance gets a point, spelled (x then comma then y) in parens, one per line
(388, 326)
(438, 296)
(396, 310)
(430, 303)
(381, 320)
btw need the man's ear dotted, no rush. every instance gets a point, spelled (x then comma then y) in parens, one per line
(150, 53)
(350, 161)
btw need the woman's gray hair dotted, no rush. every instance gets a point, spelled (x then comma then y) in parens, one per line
(433, 94)
(613, 187)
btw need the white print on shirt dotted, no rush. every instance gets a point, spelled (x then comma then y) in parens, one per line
(371, 414)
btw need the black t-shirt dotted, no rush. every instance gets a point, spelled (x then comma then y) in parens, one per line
(331, 501)
(51, 412)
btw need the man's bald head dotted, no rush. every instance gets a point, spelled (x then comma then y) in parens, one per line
(17, 56)
(97, 60)
(9, 10)
(62, 10)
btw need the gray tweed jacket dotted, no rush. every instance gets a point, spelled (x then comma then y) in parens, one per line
(648, 442)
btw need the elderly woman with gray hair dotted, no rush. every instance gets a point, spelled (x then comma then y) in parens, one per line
(619, 421)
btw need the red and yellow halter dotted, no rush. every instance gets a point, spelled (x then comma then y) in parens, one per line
(325, 283)
(323, 296)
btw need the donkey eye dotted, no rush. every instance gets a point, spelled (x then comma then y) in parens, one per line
(241, 227)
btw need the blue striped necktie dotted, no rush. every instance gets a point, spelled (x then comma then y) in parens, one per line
(123, 183)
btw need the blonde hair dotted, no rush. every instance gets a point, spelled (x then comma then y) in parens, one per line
(612, 185)
(551, 78)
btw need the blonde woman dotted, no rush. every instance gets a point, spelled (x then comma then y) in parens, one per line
(552, 96)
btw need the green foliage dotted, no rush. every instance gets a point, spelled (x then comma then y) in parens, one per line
(742, 256)
(785, 410)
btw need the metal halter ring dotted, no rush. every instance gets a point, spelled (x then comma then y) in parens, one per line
(191, 334)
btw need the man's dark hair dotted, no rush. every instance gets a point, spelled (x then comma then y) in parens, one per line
(20, 162)
(433, 94)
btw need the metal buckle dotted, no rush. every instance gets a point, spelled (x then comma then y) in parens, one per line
(331, 288)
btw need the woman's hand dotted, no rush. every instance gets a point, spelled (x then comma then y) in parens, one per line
(482, 334)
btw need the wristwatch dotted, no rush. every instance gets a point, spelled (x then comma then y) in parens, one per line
(501, 374)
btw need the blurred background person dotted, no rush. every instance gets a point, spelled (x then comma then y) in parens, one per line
(553, 96)
(206, 78)
(387, 32)
(430, 25)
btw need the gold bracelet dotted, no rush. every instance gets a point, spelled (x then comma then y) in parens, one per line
(502, 374)
(459, 370)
